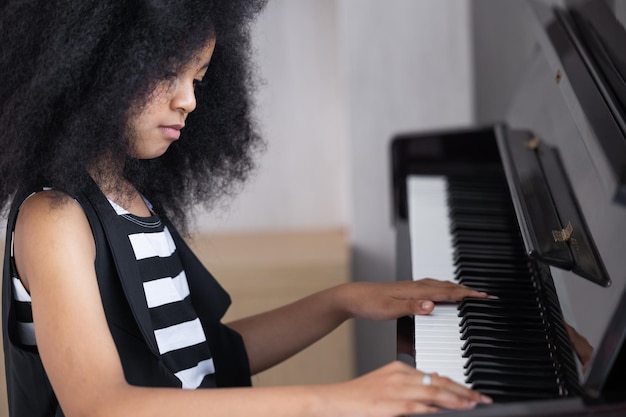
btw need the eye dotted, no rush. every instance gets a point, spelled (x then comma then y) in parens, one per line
(198, 83)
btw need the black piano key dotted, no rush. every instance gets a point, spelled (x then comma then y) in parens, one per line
(501, 391)
(536, 335)
(500, 317)
(461, 209)
(502, 326)
(467, 231)
(566, 353)
(506, 351)
(497, 281)
(472, 248)
(512, 359)
(519, 386)
(505, 280)
(474, 200)
(483, 238)
(509, 354)
(511, 365)
(500, 283)
(494, 346)
(487, 259)
(501, 303)
(545, 380)
(501, 396)
(522, 308)
(477, 200)
(484, 249)
(515, 385)
(481, 223)
(503, 293)
(495, 269)
(513, 288)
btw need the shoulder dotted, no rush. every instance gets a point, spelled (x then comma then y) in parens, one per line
(51, 227)
(49, 210)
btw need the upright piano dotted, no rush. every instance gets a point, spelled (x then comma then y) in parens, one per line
(531, 210)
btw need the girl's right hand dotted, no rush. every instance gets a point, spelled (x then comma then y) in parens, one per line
(397, 389)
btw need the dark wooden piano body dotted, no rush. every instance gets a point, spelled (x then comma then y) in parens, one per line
(562, 154)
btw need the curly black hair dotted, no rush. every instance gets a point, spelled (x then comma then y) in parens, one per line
(74, 71)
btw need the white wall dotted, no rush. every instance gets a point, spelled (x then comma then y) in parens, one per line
(301, 181)
(503, 46)
(339, 75)
(408, 68)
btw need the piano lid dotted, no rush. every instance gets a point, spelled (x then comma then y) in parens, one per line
(572, 97)
(584, 49)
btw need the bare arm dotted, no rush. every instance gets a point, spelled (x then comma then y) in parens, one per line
(54, 251)
(274, 336)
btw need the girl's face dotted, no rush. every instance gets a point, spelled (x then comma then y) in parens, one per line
(159, 124)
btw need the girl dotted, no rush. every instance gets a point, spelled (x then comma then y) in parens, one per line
(117, 118)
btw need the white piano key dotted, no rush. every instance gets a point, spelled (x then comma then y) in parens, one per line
(431, 250)
(437, 336)
(438, 344)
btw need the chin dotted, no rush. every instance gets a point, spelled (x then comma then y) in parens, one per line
(151, 154)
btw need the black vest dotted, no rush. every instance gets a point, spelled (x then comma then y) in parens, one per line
(29, 391)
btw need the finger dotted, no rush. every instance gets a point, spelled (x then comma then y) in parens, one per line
(432, 282)
(451, 294)
(398, 307)
(459, 292)
(462, 391)
(434, 290)
(463, 291)
(443, 398)
(449, 394)
(441, 392)
(420, 307)
(417, 407)
(410, 388)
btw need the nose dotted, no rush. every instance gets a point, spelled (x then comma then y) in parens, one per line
(184, 97)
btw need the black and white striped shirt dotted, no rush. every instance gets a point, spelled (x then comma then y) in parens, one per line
(177, 328)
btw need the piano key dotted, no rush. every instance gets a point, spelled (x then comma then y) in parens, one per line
(438, 343)
(529, 310)
(482, 238)
(492, 337)
(507, 326)
(499, 317)
(538, 380)
(432, 255)
(439, 346)
(512, 365)
(509, 333)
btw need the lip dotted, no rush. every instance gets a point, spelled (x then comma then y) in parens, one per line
(172, 131)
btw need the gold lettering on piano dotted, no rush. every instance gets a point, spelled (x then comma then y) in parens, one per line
(563, 235)
(533, 143)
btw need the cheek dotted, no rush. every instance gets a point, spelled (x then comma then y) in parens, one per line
(136, 132)
(148, 115)
(157, 102)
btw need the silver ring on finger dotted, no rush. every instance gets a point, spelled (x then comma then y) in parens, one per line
(427, 379)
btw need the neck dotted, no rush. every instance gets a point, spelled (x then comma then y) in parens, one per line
(108, 173)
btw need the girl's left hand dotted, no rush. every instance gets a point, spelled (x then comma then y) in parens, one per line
(391, 300)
